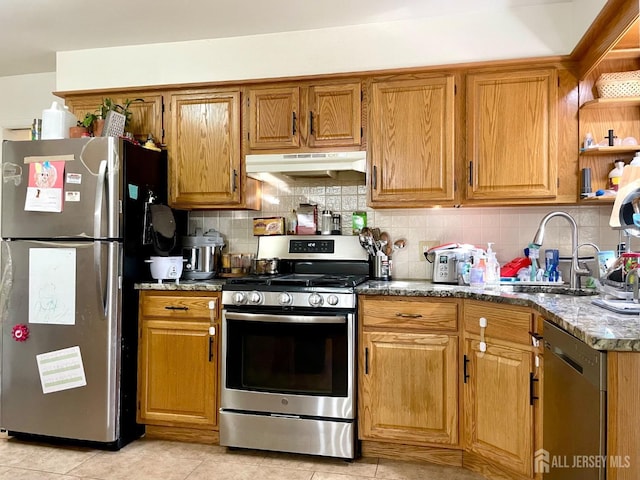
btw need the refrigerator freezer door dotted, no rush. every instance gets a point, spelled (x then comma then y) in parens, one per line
(82, 399)
(91, 190)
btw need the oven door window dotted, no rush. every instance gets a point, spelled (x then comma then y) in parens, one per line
(298, 358)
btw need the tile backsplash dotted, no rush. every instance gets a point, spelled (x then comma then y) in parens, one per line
(510, 228)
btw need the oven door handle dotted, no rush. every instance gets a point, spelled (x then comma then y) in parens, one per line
(263, 317)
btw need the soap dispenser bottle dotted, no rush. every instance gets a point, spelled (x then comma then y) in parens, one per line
(492, 277)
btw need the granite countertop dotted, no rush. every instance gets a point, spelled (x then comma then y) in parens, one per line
(597, 327)
(213, 285)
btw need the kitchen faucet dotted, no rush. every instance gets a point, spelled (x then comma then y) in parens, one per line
(576, 270)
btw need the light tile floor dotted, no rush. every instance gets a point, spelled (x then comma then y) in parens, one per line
(148, 459)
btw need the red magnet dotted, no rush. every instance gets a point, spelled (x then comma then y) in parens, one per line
(20, 332)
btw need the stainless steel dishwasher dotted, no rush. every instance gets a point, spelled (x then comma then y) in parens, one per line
(575, 406)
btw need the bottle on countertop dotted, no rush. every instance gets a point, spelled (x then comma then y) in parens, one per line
(292, 223)
(478, 271)
(615, 175)
(492, 269)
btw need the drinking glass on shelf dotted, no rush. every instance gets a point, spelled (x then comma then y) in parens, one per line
(247, 259)
(236, 263)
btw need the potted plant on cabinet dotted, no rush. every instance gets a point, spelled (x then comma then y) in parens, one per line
(84, 127)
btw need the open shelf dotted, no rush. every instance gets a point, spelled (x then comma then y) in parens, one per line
(611, 102)
(610, 150)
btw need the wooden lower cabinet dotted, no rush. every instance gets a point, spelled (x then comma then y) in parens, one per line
(409, 371)
(409, 388)
(498, 415)
(178, 359)
(501, 388)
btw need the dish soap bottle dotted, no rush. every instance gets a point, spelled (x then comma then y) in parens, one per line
(492, 269)
(615, 174)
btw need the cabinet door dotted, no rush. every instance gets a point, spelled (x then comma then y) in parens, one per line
(512, 138)
(178, 365)
(146, 114)
(411, 157)
(335, 115)
(409, 388)
(497, 404)
(146, 118)
(204, 149)
(273, 118)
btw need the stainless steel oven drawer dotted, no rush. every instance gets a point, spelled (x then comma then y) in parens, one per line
(288, 434)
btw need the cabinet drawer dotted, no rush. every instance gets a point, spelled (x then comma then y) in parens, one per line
(410, 313)
(177, 305)
(503, 322)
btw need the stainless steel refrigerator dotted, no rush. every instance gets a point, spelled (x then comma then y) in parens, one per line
(72, 217)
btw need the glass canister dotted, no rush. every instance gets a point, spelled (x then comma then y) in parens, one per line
(336, 227)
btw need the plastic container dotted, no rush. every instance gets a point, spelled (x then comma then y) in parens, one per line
(615, 175)
(56, 122)
(477, 272)
(636, 160)
(589, 142)
(492, 270)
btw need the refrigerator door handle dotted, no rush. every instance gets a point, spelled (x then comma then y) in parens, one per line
(97, 265)
(112, 281)
(97, 212)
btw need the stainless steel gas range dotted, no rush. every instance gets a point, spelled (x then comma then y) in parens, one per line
(289, 349)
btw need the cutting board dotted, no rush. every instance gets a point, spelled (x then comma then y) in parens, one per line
(629, 182)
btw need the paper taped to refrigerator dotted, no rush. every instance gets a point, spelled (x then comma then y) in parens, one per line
(44, 190)
(52, 286)
(61, 370)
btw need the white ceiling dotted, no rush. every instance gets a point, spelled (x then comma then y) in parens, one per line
(31, 31)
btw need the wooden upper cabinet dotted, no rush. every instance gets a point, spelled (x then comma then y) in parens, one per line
(274, 117)
(146, 118)
(412, 139)
(512, 135)
(146, 115)
(335, 115)
(204, 149)
(305, 116)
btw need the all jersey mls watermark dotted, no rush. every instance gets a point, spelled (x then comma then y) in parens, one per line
(543, 461)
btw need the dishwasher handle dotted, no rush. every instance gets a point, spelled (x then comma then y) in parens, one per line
(565, 358)
(589, 363)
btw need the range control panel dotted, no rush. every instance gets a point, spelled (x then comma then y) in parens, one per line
(311, 246)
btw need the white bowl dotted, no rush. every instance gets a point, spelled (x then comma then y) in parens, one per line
(165, 268)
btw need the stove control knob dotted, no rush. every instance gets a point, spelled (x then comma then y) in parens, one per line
(239, 298)
(255, 298)
(315, 300)
(285, 299)
(332, 300)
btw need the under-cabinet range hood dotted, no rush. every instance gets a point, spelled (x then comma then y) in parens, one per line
(305, 165)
